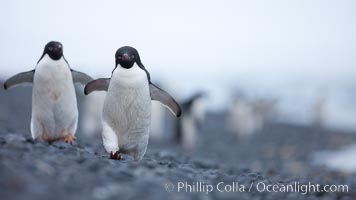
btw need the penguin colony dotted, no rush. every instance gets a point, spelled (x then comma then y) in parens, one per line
(126, 114)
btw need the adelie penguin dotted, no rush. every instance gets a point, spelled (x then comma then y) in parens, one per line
(54, 104)
(190, 124)
(126, 116)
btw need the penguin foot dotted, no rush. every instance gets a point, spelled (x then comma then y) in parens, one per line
(116, 156)
(69, 138)
(49, 140)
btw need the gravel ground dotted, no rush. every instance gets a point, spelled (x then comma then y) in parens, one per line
(279, 154)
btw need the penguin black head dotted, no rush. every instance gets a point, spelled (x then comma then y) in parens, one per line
(127, 56)
(54, 50)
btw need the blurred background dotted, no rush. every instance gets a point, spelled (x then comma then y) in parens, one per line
(301, 54)
(278, 73)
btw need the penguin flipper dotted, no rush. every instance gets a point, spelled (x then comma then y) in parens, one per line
(80, 77)
(101, 84)
(157, 94)
(19, 78)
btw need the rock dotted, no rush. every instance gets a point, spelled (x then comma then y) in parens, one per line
(14, 141)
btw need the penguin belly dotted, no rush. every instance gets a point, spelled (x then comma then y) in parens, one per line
(127, 113)
(54, 103)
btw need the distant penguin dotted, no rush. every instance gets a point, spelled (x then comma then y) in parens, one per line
(243, 120)
(190, 123)
(90, 123)
(54, 104)
(126, 114)
(158, 122)
(320, 107)
(162, 122)
(247, 117)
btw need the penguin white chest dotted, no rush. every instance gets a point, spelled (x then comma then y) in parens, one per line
(54, 103)
(53, 79)
(127, 108)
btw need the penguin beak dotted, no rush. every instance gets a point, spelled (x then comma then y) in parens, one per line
(125, 57)
(56, 50)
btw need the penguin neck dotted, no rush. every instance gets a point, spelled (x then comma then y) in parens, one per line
(133, 76)
(47, 64)
(124, 72)
(47, 59)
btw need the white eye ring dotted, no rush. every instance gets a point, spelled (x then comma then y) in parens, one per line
(59, 46)
(119, 57)
(50, 48)
(133, 56)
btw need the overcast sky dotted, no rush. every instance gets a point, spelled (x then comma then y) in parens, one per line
(214, 41)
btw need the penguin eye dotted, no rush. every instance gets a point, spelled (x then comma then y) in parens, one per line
(59, 46)
(119, 57)
(50, 48)
(133, 56)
